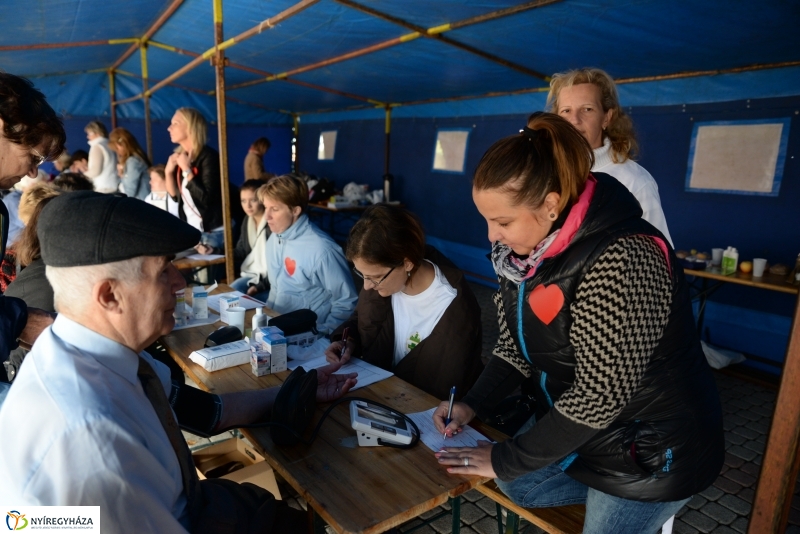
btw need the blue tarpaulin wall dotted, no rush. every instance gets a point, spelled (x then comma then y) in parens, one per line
(676, 62)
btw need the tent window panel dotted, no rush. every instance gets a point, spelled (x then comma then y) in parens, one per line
(449, 154)
(738, 157)
(327, 145)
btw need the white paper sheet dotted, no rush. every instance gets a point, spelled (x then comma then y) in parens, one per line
(431, 437)
(245, 301)
(367, 373)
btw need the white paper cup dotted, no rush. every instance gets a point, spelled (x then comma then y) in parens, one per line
(716, 256)
(759, 264)
(236, 318)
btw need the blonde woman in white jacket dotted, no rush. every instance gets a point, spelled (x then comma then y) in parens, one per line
(101, 168)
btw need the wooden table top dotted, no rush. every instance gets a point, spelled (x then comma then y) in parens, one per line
(186, 263)
(354, 489)
(773, 282)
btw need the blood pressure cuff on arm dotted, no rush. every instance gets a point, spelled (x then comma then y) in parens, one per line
(197, 411)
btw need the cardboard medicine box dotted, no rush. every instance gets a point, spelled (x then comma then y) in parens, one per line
(224, 304)
(275, 344)
(235, 451)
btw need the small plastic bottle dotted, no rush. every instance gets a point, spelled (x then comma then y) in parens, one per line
(259, 319)
(730, 260)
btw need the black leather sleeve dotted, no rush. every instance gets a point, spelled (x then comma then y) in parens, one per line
(197, 411)
(206, 190)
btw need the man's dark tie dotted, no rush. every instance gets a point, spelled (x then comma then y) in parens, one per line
(154, 390)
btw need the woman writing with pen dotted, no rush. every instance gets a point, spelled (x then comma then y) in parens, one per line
(595, 312)
(416, 315)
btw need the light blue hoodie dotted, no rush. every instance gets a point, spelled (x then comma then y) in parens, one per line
(307, 269)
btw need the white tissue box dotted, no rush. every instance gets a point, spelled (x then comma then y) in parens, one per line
(222, 356)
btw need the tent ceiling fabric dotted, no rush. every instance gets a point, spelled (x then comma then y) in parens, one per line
(634, 39)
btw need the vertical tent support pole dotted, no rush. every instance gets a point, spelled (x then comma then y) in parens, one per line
(776, 483)
(148, 131)
(296, 143)
(387, 177)
(388, 130)
(112, 92)
(222, 127)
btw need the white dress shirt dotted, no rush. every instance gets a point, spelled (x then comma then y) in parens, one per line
(79, 430)
(638, 181)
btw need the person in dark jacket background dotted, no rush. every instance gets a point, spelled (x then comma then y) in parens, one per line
(30, 133)
(594, 309)
(416, 315)
(250, 254)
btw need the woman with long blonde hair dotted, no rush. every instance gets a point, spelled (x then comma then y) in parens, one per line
(132, 163)
(588, 99)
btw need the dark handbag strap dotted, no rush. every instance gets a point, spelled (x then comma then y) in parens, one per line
(154, 391)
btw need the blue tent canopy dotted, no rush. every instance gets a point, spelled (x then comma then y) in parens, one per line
(454, 52)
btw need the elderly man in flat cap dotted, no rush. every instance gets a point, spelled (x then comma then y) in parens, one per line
(30, 133)
(98, 424)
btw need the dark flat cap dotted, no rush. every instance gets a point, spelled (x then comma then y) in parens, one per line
(88, 228)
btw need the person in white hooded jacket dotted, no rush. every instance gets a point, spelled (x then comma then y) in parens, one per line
(101, 167)
(305, 267)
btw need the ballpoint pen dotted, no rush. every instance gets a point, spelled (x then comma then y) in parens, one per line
(344, 341)
(449, 411)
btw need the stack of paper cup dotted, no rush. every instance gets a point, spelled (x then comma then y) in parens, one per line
(236, 318)
(759, 264)
(716, 256)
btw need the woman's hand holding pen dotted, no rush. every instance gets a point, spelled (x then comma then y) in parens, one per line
(338, 353)
(460, 416)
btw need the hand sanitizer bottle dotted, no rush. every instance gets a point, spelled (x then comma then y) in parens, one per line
(259, 319)
(730, 260)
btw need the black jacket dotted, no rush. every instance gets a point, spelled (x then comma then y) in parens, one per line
(450, 356)
(205, 188)
(13, 312)
(32, 286)
(667, 443)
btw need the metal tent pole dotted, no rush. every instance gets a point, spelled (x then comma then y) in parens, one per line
(222, 128)
(148, 130)
(112, 92)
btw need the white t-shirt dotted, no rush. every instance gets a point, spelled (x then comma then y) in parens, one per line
(416, 316)
(162, 200)
(189, 208)
(638, 181)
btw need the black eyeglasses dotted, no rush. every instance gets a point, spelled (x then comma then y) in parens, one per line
(370, 280)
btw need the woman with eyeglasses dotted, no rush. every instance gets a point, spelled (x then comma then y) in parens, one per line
(305, 267)
(416, 315)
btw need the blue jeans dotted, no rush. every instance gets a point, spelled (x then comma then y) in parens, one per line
(550, 486)
(241, 285)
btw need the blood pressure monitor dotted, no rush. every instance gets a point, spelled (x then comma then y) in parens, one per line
(375, 424)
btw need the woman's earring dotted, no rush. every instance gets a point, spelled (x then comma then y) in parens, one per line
(552, 215)
(408, 274)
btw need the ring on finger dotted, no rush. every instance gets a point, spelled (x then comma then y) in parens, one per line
(466, 461)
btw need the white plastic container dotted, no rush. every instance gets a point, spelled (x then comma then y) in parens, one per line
(259, 319)
(730, 260)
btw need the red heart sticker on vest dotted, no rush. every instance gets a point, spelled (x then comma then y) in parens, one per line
(546, 302)
(290, 266)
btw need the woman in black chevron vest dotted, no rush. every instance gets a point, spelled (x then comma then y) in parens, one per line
(593, 309)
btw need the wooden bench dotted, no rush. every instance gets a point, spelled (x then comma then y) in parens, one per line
(559, 520)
